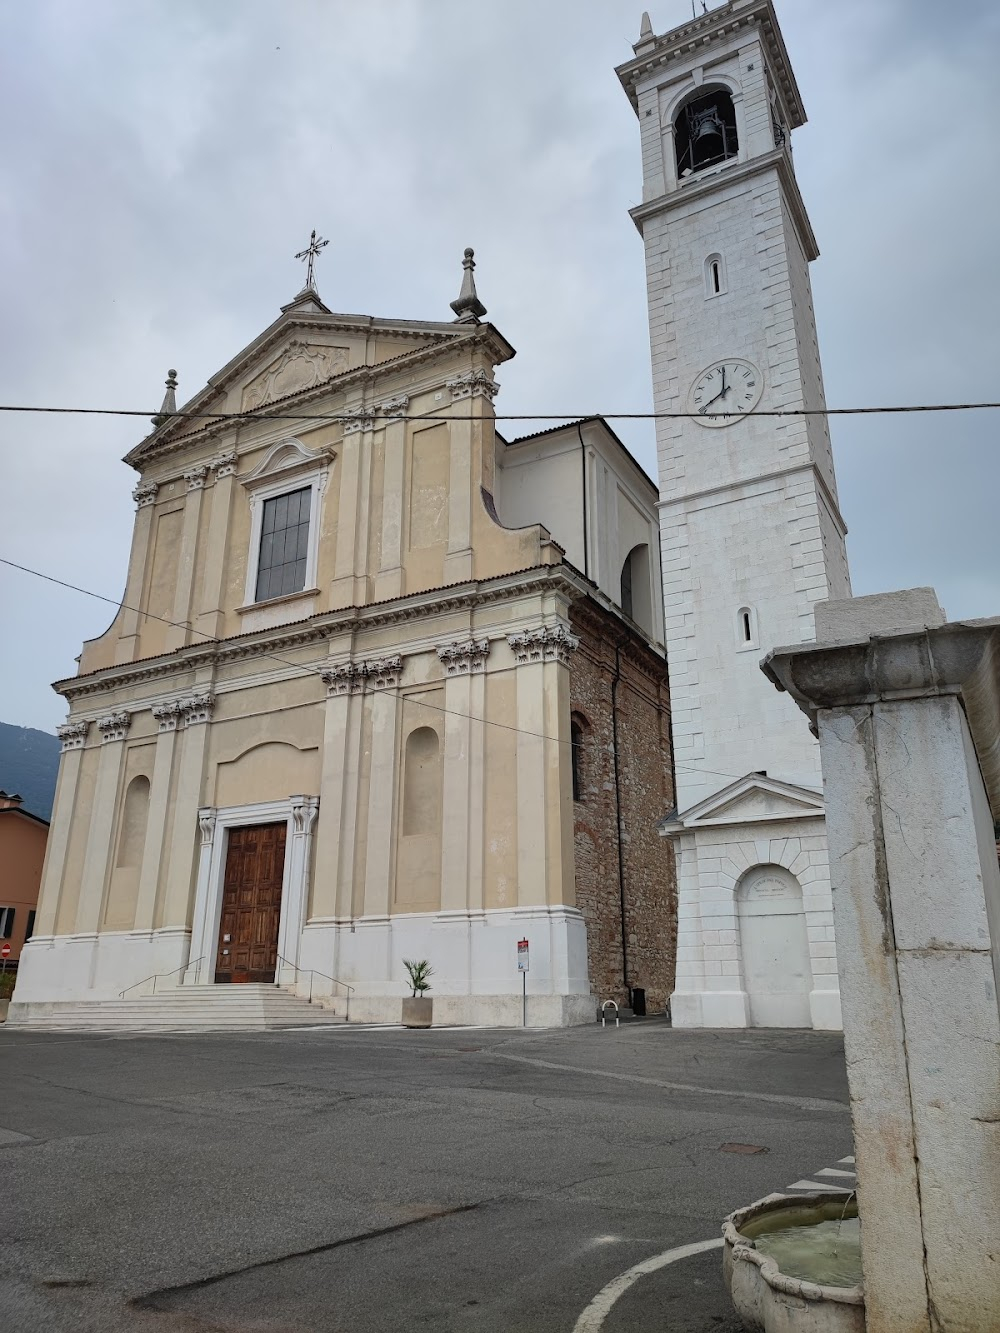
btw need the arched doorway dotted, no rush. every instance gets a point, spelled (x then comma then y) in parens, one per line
(775, 947)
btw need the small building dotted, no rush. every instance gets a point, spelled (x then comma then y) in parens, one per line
(22, 852)
(383, 686)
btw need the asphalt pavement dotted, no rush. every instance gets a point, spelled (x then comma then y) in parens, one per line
(353, 1180)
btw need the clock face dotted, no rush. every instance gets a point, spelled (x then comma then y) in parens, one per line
(725, 392)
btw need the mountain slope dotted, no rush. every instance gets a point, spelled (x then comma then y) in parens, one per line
(29, 762)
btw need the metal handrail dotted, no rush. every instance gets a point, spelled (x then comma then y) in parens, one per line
(314, 971)
(154, 977)
(603, 1015)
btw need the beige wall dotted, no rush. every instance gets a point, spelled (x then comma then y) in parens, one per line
(22, 851)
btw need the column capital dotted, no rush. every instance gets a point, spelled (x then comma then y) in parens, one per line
(384, 673)
(73, 735)
(395, 407)
(304, 812)
(114, 727)
(167, 715)
(206, 823)
(476, 384)
(145, 494)
(195, 477)
(549, 643)
(463, 658)
(198, 708)
(360, 418)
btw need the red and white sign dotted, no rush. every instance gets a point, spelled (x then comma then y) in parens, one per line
(5, 951)
(522, 955)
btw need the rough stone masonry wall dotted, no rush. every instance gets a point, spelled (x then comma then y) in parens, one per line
(646, 786)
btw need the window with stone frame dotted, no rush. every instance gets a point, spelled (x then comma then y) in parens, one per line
(284, 544)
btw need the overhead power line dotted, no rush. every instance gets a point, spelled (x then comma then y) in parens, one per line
(308, 670)
(263, 415)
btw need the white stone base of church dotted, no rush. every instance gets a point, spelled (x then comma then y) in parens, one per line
(474, 956)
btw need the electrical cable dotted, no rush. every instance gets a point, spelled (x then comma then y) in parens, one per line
(307, 670)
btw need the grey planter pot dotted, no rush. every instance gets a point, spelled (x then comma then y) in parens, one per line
(417, 1012)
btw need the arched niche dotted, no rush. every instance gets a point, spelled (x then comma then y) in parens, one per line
(636, 588)
(123, 892)
(774, 945)
(418, 865)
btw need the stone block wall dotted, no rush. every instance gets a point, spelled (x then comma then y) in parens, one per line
(645, 787)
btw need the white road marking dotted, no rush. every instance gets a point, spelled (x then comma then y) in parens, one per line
(593, 1317)
(819, 1187)
(847, 1161)
(834, 1171)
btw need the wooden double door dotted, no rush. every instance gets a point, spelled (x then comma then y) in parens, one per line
(251, 903)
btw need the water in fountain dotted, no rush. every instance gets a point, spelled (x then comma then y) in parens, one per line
(812, 1242)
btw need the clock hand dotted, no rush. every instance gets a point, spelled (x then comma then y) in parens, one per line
(722, 392)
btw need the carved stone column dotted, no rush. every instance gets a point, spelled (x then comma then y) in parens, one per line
(294, 906)
(469, 393)
(201, 967)
(144, 496)
(389, 580)
(382, 679)
(74, 738)
(462, 791)
(97, 859)
(178, 634)
(336, 829)
(177, 893)
(211, 618)
(349, 581)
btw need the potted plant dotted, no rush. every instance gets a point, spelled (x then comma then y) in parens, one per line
(418, 1010)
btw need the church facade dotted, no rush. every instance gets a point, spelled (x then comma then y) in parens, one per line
(751, 531)
(383, 686)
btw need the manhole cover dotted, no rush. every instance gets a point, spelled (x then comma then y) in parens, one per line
(741, 1147)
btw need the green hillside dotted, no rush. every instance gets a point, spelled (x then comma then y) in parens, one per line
(29, 762)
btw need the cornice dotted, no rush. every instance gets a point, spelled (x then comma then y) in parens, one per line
(161, 443)
(702, 33)
(696, 187)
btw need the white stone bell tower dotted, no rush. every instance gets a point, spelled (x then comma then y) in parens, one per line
(751, 531)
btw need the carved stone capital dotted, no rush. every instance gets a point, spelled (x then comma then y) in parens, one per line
(395, 407)
(115, 726)
(461, 659)
(362, 418)
(384, 673)
(549, 643)
(206, 823)
(304, 812)
(348, 678)
(145, 494)
(197, 708)
(195, 477)
(477, 384)
(73, 735)
(226, 464)
(168, 715)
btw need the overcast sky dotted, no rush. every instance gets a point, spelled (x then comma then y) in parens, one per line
(164, 160)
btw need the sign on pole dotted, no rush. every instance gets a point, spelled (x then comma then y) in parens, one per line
(522, 955)
(5, 951)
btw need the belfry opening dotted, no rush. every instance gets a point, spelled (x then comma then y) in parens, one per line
(705, 131)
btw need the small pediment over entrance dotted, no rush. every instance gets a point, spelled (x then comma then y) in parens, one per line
(300, 366)
(754, 799)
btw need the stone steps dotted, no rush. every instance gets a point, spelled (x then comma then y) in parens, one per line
(249, 1008)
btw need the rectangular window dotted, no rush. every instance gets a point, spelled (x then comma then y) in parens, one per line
(284, 541)
(6, 922)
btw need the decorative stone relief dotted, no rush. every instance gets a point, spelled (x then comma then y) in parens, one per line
(462, 659)
(384, 673)
(300, 366)
(195, 477)
(477, 384)
(167, 715)
(304, 812)
(352, 677)
(550, 643)
(206, 822)
(73, 735)
(349, 678)
(395, 407)
(115, 726)
(226, 464)
(198, 708)
(145, 494)
(361, 418)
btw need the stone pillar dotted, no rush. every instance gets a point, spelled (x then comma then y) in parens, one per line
(349, 586)
(179, 633)
(177, 892)
(211, 617)
(389, 579)
(293, 909)
(909, 726)
(100, 838)
(383, 680)
(465, 468)
(335, 828)
(74, 737)
(167, 717)
(144, 496)
(462, 794)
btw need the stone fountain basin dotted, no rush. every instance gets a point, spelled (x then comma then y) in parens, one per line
(766, 1299)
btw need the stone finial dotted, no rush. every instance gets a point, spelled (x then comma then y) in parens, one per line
(169, 404)
(468, 308)
(645, 28)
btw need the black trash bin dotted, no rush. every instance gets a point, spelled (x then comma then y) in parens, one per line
(639, 1002)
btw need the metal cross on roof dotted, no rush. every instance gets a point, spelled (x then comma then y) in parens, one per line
(309, 255)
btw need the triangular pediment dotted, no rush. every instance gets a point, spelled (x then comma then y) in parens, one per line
(299, 365)
(754, 799)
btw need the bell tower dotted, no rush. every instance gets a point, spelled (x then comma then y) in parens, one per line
(751, 531)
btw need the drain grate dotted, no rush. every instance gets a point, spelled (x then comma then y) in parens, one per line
(741, 1147)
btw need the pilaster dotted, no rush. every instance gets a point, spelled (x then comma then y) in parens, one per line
(190, 769)
(349, 586)
(293, 910)
(73, 736)
(210, 619)
(113, 729)
(470, 390)
(389, 580)
(381, 795)
(167, 716)
(179, 633)
(144, 496)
